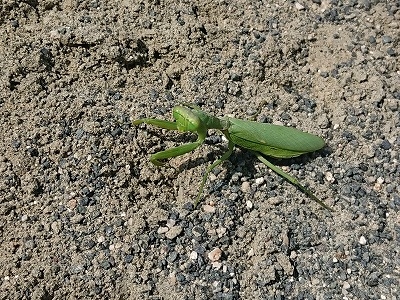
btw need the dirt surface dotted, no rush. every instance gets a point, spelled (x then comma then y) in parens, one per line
(84, 214)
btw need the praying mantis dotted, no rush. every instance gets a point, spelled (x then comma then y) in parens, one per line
(260, 138)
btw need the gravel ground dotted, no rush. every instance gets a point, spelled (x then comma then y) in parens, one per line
(84, 214)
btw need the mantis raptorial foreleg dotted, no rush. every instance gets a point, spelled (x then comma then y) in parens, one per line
(157, 158)
(174, 152)
(158, 123)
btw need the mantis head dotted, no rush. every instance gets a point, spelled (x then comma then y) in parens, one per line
(187, 119)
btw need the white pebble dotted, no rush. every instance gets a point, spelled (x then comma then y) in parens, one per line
(329, 177)
(208, 208)
(193, 255)
(363, 240)
(250, 253)
(260, 180)
(249, 204)
(299, 6)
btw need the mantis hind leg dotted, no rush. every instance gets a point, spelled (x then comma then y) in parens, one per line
(291, 179)
(224, 157)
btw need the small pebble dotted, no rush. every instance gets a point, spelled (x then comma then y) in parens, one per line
(217, 265)
(364, 49)
(377, 187)
(346, 285)
(385, 145)
(72, 204)
(362, 240)
(215, 254)
(245, 186)
(55, 227)
(260, 180)
(193, 255)
(221, 231)
(323, 121)
(249, 204)
(209, 209)
(162, 230)
(378, 184)
(250, 253)
(380, 180)
(361, 76)
(324, 74)
(198, 231)
(391, 52)
(392, 104)
(315, 281)
(299, 6)
(329, 177)
(171, 223)
(386, 39)
(233, 196)
(173, 232)
(275, 200)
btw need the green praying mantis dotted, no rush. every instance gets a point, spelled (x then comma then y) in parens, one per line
(260, 138)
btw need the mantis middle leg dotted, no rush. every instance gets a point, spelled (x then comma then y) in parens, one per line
(224, 157)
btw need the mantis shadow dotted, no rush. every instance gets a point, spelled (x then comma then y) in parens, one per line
(244, 162)
(240, 155)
